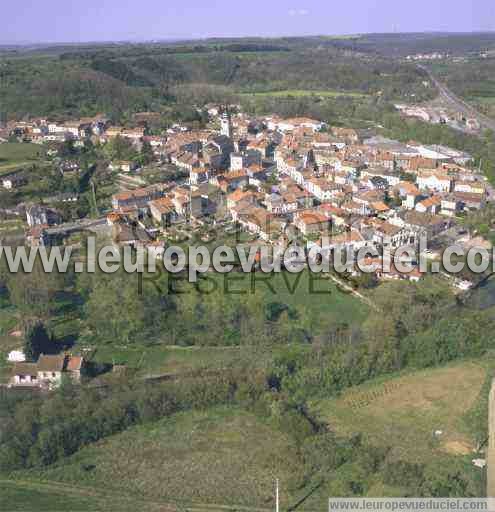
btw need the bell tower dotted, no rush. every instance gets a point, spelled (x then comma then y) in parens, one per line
(226, 124)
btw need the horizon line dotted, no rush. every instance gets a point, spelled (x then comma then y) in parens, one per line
(21, 44)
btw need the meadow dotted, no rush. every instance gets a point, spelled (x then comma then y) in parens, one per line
(15, 155)
(227, 458)
(420, 414)
(221, 456)
(300, 93)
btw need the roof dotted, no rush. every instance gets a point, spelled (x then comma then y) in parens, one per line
(380, 206)
(408, 188)
(416, 218)
(347, 237)
(74, 363)
(387, 228)
(25, 369)
(309, 218)
(162, 205)
(238, 195)
(49, 363)
(431, 201)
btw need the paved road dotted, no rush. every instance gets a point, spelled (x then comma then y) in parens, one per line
(79, 225)
(459, 104)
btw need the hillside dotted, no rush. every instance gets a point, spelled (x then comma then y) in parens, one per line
(128, 78)
(222, 456)
(231, 457)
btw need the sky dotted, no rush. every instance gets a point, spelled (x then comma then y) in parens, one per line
(118, 20)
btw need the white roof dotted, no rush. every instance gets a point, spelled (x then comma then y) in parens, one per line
(16, 356)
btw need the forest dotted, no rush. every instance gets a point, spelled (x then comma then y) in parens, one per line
(119, 80)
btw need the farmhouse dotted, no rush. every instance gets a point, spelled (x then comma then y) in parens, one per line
(47, 372)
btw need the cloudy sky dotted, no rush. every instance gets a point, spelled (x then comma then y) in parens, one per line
(109, 20)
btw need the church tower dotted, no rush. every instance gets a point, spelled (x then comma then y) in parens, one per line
(226, 125)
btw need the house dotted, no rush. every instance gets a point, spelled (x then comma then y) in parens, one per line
(129, 235)
(41, 215)
(429, 205)
(239, 195)
(285, 125)
(263, 147)
(322, 189)
(135, 134)
(408, 192)
(74, 367)
(435, 181)
(450, 206)
(312, 222)
(187, 161)
(348, 134)
(37, 236)
(337, 215)
(123, 166)
(24, 374)
(245, 159)
(198, 175)
(50, 368)
(162, 210)
(228, 182)
(138, 198)
(427, 223)
(470, 201)
(47, 372)
(13, 180)
(390, 236)
(259, 221)
(470, 186)
(389, 175)
(68, 166)
(351, 239)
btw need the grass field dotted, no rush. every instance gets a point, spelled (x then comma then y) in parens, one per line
(302, 290)
(298, 93)
(228, 457)
(406, 411)
(15, 155)
(39, 497)
(223, 456)
(160, 359)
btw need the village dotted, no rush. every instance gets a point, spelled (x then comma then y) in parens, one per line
(275, 179)
(246, 262)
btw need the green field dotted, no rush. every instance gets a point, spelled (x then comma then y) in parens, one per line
(298, 93)
(301, 290)
(222, 456)
(406, 411)
(226, 457)
(15, 155)
(161, 359)
(33, 496)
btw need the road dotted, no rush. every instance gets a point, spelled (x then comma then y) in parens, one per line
(78, 225)
(459, 104)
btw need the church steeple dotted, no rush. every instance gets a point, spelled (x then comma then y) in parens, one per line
(226, 124)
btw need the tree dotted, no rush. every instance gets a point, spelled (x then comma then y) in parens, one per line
(34, 293)
(120, 148)
(146, 156)
(117, 311)
(37, 341)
